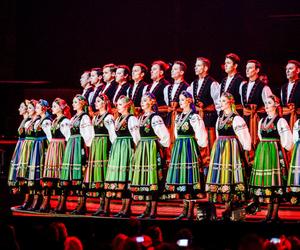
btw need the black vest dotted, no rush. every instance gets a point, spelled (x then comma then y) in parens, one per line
(55, 128)
(255, 94)
(294, 96)
(186, 127)
(146, 129)
(136, 98)
(182, 86)
(227, 129)
(110, 91)
(158, 91)
(122, 91)
(204, 96)
(272, 131)
(21, 129)
(100, 128)
(97, 90)
(234, 87)
(123, 130)
(75, 125)
(87, 93)
(39, 132)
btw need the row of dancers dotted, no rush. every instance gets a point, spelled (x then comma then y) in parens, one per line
(129, 157)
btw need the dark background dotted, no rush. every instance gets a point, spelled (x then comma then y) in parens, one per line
(52, 42)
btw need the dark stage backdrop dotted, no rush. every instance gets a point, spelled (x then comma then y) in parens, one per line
(55, 41)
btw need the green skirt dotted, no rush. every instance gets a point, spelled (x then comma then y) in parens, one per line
(22, 168)
(97, 162)
(146, 170)
(117, 175)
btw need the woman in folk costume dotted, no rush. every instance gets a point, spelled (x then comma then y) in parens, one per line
(226, 180)
(117, 175)
(104, 127)
(25, 153)
(74, 160)
(185, 173)
(146, 173)
(293, 183)
(60, 131)
(42, 136)
(269, 171)
(13, 168)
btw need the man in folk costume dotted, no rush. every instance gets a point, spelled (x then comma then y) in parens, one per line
(232, 82)
(135, 92)
(96, 80)
(158, 70)
(172, 92)
(85, 83)
(290, 93)
(122, 77)
(253, 96)
(109, 75)
(206, 93)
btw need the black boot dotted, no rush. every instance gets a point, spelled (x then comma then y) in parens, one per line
(27, 202)
(275, 217)
(119, 214)
(127, 210)
(81, 208)
(45, 207)
(146, 212)
(101, 207)
(106, 211)
(36, 203)
(190, 215)
(184, 211)
(153, 212)
(269, 213)
(62, 205)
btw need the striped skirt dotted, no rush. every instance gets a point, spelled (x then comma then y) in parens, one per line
(117, 175)
(268, 174)
(27, 147)
(97, 162)
(73, 161)
(185, 175)
(293, 182)
(37, 158)
(54, 159)
(146, 170)
(14, 163)
(225, 179)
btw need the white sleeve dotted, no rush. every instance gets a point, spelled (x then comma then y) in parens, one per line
(242, 132)
(127, 91)
(281, 94)
(109, 123)
(145, 89)
(217, 125)
(215, 94)
(266, 93)
(296, 131)
(199, 129)
(46, 126)
(286, 137)
(175, 126)
(190, 90)
(166, 97)
(65, 128)
(258, 129)
(133, 126)
(241, 90)
(86, 130)
(161, 131)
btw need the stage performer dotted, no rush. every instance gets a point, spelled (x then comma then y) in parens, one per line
(42, 136)
(105, 135)
(148, 165)
(96, 81)
(226, 178)
(117, 175)
(268, 177)
(122, 78)
(290, 93)
(74, 159)
(13, 168)
(185, 173)
(109, 76)
(60, 131)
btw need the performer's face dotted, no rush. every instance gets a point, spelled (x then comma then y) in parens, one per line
(38, 109)
(76, 105)
(137, 73)
(146, 104)
(95, 78)
(99, 104)
(176, 72)
(224, 103)
(56, 108)
(270, 105)
(22, 109)
(251, 70)
(229, 66)
(122, 106)
(120, 76)
(84, 80)
(199, 68)
(291, 71)
(31, 109)
(108, 76)
(156, 73)
(184, 102)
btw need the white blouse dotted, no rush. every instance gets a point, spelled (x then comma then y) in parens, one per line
(241, 131)
(199, 129)
(46, 127)
(133, 127)
(109, 124)
(86, 130)
(286, 137)
(296, 131)
(64, 128)
(161, 131)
